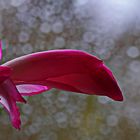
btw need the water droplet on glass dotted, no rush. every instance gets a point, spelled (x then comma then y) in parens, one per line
(105, 130)
(63, 97)
(60, 117)
(23, 36)
(59, 42)
(45, 27)
(33, 129)
(27, 109)
(135, 66)
(133, 52)
(57, 27)
(88, 37)
(27, 48)
(112, 120)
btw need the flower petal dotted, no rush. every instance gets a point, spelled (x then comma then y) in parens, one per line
(29, 89)
(8, 97)
(104, 77)
(82, 82)
(40, 66)
(12, 109)
(4, 73)
(71, 70)
(12, 90)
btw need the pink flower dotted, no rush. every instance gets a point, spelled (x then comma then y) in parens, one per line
(70, 70)
(9, 95)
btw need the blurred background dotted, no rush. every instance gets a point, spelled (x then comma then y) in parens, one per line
(109, 29)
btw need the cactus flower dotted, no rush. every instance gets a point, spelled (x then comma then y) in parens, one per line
(70, 70)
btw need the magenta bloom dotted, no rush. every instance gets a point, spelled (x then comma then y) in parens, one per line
(70, 70)
(9, 95)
